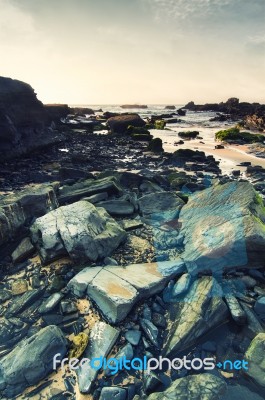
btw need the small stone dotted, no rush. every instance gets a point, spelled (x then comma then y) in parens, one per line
(5, 295)
(125, 352)
(133, 337)
(24, 250)
(248, 281)
(67, 307)
(19, 286)
(159, 320)
(110, 261)
(150, 330)
(50, 303)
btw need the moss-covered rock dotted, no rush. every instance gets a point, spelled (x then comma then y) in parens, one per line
(234, 135)
(156, 145)
(160, 124)
(188, 134)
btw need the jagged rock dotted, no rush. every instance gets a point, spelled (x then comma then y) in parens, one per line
(89, 187)
(102, 338)
(24, 250)
(78, 230)
(31, 360)
(120, 123)
(201, 310)
(24, 123)
(255, 358)
(193, 387)
(182, 285)
(5, 295)
(96, 198)
(160, 204)
(253, 325)
(20, 208)
(223, 227)
(150, 330)
(237, 313)
(116, 289)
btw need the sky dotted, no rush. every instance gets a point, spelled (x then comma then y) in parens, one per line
(135, 51)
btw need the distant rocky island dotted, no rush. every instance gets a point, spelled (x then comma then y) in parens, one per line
(113, 247)
(134, 106)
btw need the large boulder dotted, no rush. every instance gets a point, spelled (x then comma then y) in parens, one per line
(116, 289)
(120, 123)
(193, 387)
(223, 227)
(194, 315)
(255, 358)
(25, 124)
(21, 208)
(79, 230)
(31, 360)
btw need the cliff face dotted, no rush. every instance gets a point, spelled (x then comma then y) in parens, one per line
(25, 124)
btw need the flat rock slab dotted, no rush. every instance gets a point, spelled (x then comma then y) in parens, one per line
(79, 230)
(154, 204)
(102, 339)
(31, 360)
(201, 310)
(115, 289)
(117, 207)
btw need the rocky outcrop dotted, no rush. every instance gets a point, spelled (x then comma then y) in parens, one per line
(132, 106)
(120, 123)
(197, 313)
(223, 227)
(31, 360)
(255, 358)
(193, 387)
(255, 122)
(78, 230)
(25, 124)
(57, 111)
(116, 289)
(232, 106)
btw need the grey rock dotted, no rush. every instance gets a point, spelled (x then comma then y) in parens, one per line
(253, 325)
(78, 230)
(110, 261)
(193, 387)
(182, 285)
(248, 281)
(159, 320)
(50, 303)
(223, 227)
(5, 295)
(102, 338)
(201, 310)
(24, 250)
(95, 198)
(67, 307)
(131, 224)
(133, 337)
(259, 307)
(126, 352)
(116, 289)
(117, 207)
(69, 194)
(160, 205)
(237, 313)
(78, 285)
(22, 302)
(18, 209)
(209, 346)
(151, 381)
(150, 330)
(31, 360)
(113, 393)
(255, 358)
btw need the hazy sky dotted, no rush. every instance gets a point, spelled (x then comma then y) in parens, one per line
(147, 51)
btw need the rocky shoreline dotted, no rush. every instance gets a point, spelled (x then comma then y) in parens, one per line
(111, 247)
